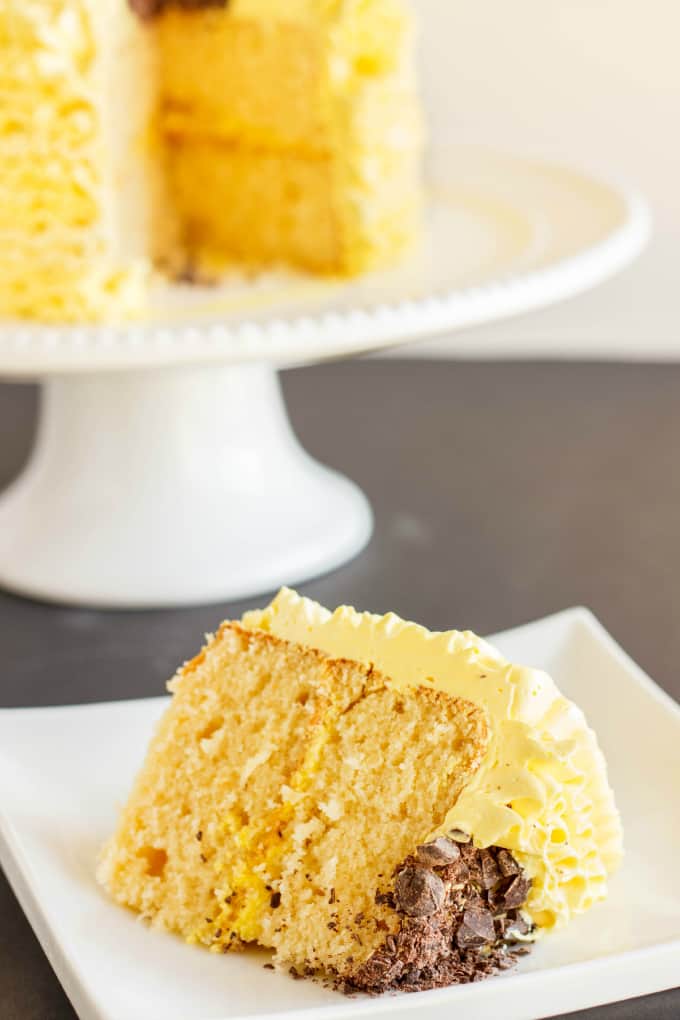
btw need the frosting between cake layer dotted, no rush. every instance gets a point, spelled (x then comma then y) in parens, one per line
(542, 790)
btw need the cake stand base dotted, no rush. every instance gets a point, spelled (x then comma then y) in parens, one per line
(172, 487)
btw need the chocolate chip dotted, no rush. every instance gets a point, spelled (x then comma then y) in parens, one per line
(438, 853)
(516, 893)
(463, 936)
(477, 928)
(275, 900)
(507, 864)
(471, 856)
(419, 892)
(489, 871)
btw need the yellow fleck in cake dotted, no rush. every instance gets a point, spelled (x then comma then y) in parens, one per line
(187, 137)
(381, 806)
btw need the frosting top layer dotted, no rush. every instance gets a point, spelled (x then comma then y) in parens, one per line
(542, 790)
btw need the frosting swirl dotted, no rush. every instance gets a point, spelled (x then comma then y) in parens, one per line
(542, 790)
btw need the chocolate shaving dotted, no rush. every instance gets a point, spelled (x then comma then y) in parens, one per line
(440, 852)
(507, 864)
(419, 892)
(453, 926)
(517, 892)
(490, 873)
(477, 928)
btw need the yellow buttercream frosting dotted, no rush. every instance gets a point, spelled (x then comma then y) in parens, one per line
(542, 791)
(78, 181)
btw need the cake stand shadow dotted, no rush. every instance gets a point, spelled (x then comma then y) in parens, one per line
(165, 470)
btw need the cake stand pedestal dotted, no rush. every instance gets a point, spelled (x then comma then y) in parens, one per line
(165, 471)
(172, 486)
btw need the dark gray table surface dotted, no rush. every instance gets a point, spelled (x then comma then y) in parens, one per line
(502, 492)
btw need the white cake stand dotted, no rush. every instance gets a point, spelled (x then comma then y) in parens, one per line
(165, 470)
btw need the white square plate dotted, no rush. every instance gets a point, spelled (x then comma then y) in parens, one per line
(64, 770)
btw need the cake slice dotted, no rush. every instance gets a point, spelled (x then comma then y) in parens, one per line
(283, 801)
(381, 806)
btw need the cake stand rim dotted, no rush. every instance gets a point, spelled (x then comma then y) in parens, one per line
(31, 350)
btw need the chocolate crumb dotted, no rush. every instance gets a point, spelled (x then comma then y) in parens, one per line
(507, 864)
(419, 892)
(490, 872)
(440, 852)
(477, 928)
(517, 892)
(268, 966)
(199, 835)
(331, 898)
(516, 926)
(204, 858)
(453, 924)
(275, 900)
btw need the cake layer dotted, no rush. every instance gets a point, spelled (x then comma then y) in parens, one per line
(326, 215)
(281, 75)
(542, 790)
(280, 794)
(282, 209)
(305, 117)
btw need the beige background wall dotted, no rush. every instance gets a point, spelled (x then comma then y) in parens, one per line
(596, 82)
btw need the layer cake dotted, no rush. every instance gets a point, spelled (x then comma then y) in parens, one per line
(138, 136)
